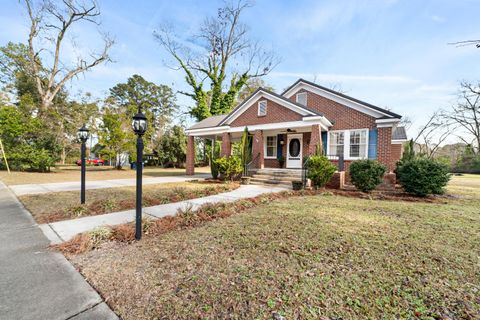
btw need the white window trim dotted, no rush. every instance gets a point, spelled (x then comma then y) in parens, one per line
(346, 143)
(303, 94)
(265, 147)
(258, 108)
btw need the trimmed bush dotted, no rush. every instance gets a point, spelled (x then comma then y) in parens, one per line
(422, 176)
(366, 175)
(229, 167)
(320, 170)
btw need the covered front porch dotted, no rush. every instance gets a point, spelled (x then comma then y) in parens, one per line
(280, 145)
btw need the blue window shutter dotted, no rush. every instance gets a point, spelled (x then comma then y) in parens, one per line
(279, 146)
(324, 142)
(372, 143)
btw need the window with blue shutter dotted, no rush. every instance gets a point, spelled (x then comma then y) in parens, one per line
(372, 143)
(279, 146)
(324, 142)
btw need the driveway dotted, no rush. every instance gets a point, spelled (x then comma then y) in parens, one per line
(37, 283)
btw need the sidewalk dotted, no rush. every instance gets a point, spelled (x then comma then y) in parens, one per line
(23, 189)
(61, 231)
(36, 283)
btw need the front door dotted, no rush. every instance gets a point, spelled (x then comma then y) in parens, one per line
(294, 151)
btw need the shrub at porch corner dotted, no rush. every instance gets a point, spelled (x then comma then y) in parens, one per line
(320, 170)
(422, 176)
(229, 167)
(366, 175)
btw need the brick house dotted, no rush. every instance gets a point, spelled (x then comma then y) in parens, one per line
(292, 124)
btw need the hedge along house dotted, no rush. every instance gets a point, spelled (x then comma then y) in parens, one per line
(290, 126)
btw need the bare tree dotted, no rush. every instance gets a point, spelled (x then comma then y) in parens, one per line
(466, 113)
(49, 23)
(406, 122)
(431, 135)
(465, 43)
(228, 58)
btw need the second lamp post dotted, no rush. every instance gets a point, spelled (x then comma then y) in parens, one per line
(139, 125)
(83, 136)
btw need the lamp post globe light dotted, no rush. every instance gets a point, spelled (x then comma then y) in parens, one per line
(82, 134)
(139, 125)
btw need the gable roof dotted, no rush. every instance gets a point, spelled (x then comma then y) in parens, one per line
(209, 122)
(294, 106)
(386, 113)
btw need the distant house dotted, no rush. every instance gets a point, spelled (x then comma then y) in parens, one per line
(291, 125)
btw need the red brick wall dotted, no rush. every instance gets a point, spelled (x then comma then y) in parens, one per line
(275, 113)
(384, 148)
(315, 139)
(397, 151)
(342, 116)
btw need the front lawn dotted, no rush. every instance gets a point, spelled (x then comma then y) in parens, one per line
(304, 257)
(51, 207)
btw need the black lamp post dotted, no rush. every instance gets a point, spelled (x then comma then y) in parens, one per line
(139, 125)
(83, 136)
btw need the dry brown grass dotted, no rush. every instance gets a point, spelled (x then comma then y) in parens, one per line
(72, 173)
(46, 208)
(302, 257)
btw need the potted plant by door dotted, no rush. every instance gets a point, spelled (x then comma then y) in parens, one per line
(281, 161)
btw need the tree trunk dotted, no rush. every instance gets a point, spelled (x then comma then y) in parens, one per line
(118, 165)
(64, 155)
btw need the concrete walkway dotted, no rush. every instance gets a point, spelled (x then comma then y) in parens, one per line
(36, 283)
(62, 231)
(23, 189)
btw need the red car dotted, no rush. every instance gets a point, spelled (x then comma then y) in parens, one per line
(92, 161)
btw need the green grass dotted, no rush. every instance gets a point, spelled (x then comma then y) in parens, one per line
(305, 257)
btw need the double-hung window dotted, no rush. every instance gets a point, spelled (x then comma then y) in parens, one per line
(358, 144)
(351, 144)
(271, 147)
(337, 140)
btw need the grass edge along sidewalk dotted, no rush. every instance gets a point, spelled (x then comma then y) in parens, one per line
(61, 231)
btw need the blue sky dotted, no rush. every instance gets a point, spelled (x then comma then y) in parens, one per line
(390, 53)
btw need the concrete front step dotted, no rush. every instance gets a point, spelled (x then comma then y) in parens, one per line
(256, 181)
(279, 172)
(272, 176)
(279, 178)
(259, 181)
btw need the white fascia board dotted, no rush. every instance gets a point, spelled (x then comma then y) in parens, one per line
(268, 96)
(207, 131)
(399, 141)
(321, 119)
(387, 120)
(385, 123)
(329, 95)
(273, 126)
(266, 126)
